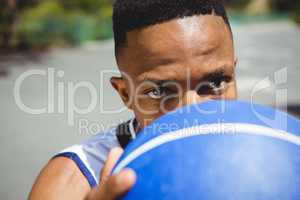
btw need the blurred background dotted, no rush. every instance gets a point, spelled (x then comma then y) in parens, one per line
(75, 37)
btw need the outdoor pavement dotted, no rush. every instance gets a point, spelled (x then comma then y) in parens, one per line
(265, 52)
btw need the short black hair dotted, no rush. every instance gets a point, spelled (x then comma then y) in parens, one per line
(130, 15)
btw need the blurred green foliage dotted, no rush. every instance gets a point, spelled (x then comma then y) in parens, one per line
(65, 22)
(276, 5)
(237, 4)
(292, 5)
(284, 4)
(239, 10)
(43, 23)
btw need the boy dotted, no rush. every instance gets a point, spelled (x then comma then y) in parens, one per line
(170, 54)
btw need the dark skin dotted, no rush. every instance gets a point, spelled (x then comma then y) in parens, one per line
(164, 67)
(176, 63)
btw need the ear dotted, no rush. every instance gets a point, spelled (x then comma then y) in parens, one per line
(235, 62)
(120, 86)
(235, 82)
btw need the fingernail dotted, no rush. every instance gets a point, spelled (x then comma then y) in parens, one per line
(131, 174)
(126, 175)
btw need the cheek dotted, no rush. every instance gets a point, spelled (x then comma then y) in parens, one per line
(146, 111)
(145, 119)
(231, 92)
(146, 106)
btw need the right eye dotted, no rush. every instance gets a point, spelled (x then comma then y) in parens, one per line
(157, 93)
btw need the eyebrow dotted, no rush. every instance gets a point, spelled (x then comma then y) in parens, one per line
(159, 82)
(212, 75)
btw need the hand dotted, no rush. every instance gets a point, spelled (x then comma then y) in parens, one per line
(112, 187)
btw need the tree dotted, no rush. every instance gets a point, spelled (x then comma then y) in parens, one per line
(259, 7)
(8, 21)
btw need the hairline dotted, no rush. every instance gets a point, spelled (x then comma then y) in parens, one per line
(123, 44)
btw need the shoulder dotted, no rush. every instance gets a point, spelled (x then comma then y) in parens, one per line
(71, 173)
(90, 155)
(60, 179)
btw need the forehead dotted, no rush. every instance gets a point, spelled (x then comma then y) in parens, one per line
(180, 42)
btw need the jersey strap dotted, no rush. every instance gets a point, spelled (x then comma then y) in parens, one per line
(126, 132)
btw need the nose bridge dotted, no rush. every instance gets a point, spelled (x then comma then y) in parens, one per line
(191, 97)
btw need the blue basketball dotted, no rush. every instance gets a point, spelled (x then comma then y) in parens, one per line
(218, 150)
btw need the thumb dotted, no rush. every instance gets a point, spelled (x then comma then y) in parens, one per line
(112, 158)
(115, 186)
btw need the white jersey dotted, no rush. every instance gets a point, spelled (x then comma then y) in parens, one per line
(90, 155)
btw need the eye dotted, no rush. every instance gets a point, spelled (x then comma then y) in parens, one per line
(158, 93)
(214, 87)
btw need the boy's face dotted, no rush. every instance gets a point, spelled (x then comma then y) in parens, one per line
(180, 62)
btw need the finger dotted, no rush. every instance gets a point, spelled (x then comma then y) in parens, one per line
(112, 158)
(117, 185)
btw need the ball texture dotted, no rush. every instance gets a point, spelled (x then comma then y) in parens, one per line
(218, 150)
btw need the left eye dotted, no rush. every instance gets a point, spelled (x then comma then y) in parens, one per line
(215, 87)
(157, 93)
(218, 86)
